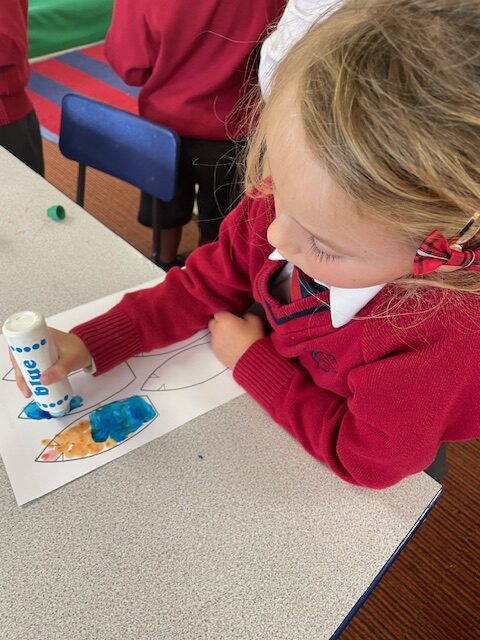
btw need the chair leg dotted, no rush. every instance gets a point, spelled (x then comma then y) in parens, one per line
(155, 231)
(81, 184)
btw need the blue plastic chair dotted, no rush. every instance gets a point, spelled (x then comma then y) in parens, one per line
(123, 145)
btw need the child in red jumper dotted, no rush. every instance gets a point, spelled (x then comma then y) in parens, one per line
(19, 129)
(362, 248)
(195, 63)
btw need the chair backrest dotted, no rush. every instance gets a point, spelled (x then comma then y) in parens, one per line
(121, 144)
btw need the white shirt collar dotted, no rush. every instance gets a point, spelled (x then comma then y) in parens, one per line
(344, 303)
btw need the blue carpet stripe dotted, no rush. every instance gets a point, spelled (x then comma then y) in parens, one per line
(48, 135)
(98, 70)
(47, 88)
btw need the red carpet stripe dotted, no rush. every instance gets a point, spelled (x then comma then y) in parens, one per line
(97, 52)
(54, 77)
(97, 69)
(80, 82)
(47, 111)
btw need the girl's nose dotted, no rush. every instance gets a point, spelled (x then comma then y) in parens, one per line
(281, 235)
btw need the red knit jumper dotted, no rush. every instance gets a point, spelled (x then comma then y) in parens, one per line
(193, 60)
(373, 399)
(14, 69)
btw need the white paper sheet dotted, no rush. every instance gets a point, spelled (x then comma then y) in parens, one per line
(180, 382)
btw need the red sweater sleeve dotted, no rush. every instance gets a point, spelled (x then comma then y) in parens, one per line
(216, 278)
(131, 57)
(390, 426)
(14, 68)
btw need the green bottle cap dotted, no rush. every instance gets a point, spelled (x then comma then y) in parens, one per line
(57, 212)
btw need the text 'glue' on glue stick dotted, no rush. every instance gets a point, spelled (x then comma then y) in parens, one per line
(33, 348)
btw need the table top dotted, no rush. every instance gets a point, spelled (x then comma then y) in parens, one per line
(223, 528)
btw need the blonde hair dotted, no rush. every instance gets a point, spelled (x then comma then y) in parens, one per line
(389, 97)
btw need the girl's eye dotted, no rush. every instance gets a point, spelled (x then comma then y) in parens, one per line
(322, 256)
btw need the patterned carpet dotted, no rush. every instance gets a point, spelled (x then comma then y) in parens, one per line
(86, 72)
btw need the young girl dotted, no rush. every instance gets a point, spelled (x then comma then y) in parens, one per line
(369, 142)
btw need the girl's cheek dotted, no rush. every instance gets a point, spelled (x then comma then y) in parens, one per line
(315, 269)
(335, 273)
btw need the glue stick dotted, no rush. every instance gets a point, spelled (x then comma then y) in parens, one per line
(31, 344)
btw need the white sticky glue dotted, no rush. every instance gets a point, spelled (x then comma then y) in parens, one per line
(33, 348)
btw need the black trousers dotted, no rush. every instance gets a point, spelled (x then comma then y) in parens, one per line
(22, 138)
(439, 467)
(214, 167)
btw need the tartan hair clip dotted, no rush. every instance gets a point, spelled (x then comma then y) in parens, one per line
(462, 251)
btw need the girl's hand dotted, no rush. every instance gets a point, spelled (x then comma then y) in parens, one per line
(72, 355)
(232, 336)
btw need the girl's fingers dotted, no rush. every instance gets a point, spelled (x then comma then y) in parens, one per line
(21, 384)
(73, 355)
(252, 318)
(55, 373)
